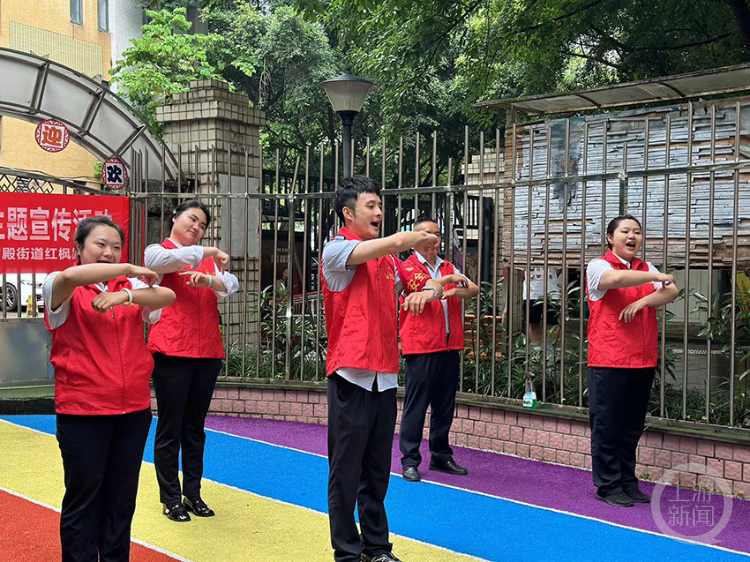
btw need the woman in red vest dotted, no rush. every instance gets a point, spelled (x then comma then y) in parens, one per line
(623, 293)
(95, 312)
(188, 351)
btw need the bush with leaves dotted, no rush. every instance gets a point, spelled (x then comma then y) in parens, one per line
(274, 342)
(166, 59)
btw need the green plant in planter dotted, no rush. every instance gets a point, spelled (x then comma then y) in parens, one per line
(718, 330)
(273, 348)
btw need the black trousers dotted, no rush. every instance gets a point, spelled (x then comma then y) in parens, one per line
(618, 401)
(184, 387)
(360, 440)
(102, 458)
(431, 380)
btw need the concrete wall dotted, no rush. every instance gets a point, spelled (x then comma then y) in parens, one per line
(126, 18)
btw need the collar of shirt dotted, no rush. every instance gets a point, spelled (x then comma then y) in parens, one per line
(626, 262)
(438, 261)
(175, 242)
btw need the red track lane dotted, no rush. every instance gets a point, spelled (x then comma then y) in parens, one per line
(31, 533)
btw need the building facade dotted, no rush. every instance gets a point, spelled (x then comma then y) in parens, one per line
(85, 35)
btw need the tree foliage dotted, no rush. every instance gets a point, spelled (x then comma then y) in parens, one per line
(517, 47)
(293, 56)
(431, 58)
(166, 59)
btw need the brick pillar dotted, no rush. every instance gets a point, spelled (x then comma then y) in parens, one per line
(214, 129)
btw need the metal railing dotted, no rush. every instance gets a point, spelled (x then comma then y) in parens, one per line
(563, 181)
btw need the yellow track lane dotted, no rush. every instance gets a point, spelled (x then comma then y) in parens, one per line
(247, 528)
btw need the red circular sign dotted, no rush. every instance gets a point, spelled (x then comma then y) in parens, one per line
(114, 173)
(52, 135)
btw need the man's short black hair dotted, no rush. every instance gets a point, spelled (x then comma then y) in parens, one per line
(349, 190)
(425, 218)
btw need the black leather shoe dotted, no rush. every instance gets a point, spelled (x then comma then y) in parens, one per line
(177, 513)
(198, 507)
(637, 496)
(619, 499)
(449, 467)
(385, 557)
(411, 474)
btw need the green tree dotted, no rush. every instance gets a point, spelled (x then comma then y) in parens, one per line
(167, 59)
(296, 57)
(292, 56)
(499, 47)
(243, 27)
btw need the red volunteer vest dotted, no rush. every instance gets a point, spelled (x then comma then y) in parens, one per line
(102, 366)
(190, 326)
(425, 333)
(361, 320)
(614, 343)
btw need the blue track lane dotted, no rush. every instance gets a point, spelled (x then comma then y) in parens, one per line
(460, 520)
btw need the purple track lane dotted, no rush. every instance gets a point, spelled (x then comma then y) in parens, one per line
(532, 482)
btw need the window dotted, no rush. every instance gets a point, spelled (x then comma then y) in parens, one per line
(76, 11)
(103, 14)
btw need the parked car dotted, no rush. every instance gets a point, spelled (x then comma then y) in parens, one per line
(10, 297)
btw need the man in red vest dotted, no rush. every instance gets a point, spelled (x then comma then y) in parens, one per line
(360, 281)
(431, 343)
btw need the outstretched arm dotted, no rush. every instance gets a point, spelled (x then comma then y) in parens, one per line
(621, 279)
(399, 242)
(164, 260)
(469, 289)
(152, 298)
(414, 302)
(81, 275)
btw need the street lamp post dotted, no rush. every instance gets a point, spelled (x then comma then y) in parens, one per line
(347, 95)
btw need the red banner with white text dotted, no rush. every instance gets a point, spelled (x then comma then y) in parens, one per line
(37, 230)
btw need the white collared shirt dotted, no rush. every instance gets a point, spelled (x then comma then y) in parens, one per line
(436, 274)
(159, 258)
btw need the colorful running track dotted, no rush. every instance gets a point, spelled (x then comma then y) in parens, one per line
(267, 481)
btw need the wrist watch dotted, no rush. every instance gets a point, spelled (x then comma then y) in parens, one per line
(430, 288)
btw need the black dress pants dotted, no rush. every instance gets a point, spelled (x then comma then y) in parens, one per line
(618, 401)
(360, 440)
(102, 458)
(431, 380)
(184, 387)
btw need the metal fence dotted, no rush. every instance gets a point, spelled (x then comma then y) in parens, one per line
(683, 172)
(562, 181)
(544, 219)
